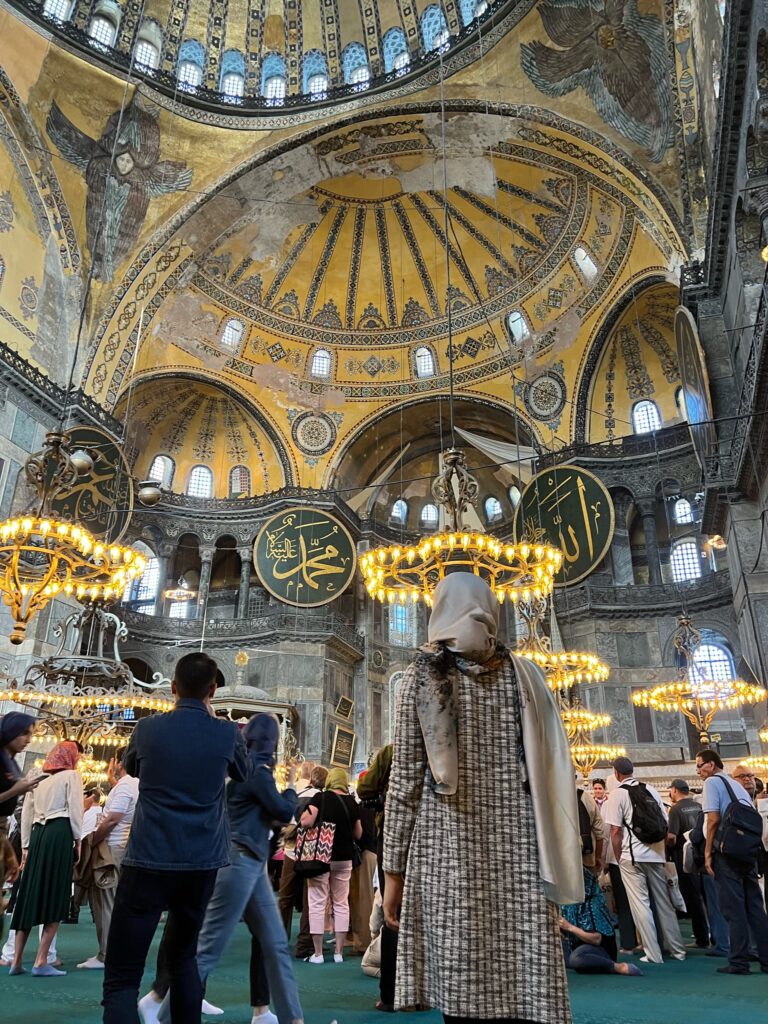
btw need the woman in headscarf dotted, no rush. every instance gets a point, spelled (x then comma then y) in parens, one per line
(16, 731)
(243, 889)
(51, 826)
(335, 804)
(481, 831)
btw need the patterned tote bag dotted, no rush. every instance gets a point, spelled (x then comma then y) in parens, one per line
(314, 846)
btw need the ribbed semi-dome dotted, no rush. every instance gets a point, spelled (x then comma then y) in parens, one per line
(258, 54)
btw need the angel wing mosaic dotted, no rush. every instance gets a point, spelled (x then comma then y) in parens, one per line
(123, 172)
(617, 55)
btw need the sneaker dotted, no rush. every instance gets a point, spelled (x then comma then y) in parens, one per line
(91, 964)
(210, 1009)
(264, 1018)
(314, 959)
(149, 1009)
(338, 958)
(678, 956)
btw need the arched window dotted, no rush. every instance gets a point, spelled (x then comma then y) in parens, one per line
(233, 332)
(200, 483)
(472, 9)
(514, 495)
(354, 65)
(146, 52)
(434, 29)
(425, 362)
(57, 10)
(645, 417)
(517, 325)
(274, 81)
(239, 482)
(493, 510)
(321, 364)
(142, 593)
(399, 511)
(162, 470)
(682, 512)
(395, 50)
(586, 265)
(402, 624)
(102, 30)
(233, 76)
(686, 561)
(429, 515)
(191, 63)
(713, 661)
(315, 75)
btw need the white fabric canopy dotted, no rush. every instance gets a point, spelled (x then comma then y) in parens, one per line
(516, 458)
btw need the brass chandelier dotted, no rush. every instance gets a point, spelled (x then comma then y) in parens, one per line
(698, 698)
(398, 573)
(41, 556)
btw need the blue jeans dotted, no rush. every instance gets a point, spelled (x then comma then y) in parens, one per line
(741, 903)
(718, 929)
(242, 890)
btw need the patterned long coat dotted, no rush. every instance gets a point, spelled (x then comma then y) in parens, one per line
(477, 936)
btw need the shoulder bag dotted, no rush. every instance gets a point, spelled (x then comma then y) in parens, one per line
(314, 846)
(357, 854)
(740, 835)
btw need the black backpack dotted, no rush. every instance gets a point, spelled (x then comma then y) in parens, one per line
(740, 835)
(585, 825)
(648, 822)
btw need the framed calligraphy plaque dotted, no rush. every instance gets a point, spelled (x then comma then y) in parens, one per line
(695, 380)
(571, 509)
(345, 707)
(304, 557)
(343, 747)
(102, 500)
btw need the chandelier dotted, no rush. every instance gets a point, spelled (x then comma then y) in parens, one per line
(401, 572)
(698, 698)
(763, 734)
(760, 764)
(41, 556)
(182, 592)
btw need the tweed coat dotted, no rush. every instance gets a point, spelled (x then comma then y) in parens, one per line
(478, 937)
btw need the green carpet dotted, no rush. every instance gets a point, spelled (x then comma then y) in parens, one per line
(678, 993)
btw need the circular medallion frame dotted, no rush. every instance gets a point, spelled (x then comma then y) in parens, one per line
(535, 392)
(305, 557)
(313, 433)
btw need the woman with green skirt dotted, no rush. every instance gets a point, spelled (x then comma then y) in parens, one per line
(51, 826)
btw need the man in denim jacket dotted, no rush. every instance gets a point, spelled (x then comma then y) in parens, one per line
(179, 840)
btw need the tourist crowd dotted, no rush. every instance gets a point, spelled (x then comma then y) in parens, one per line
(398, 869)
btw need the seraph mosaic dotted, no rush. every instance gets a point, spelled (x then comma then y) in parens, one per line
(617, 55)
(123, 171)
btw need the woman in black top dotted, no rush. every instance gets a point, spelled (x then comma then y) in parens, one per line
(333, 805)
(16, 730)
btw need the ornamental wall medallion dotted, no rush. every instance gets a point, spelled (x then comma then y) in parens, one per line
(571, 509)
(102, 500)
(544, 397)
(313, 433)
(304, 557)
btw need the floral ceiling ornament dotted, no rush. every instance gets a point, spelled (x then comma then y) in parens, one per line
(617, 55)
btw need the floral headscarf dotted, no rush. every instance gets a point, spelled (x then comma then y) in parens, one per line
(63, 757)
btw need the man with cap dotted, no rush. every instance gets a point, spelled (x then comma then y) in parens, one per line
(642, 864)
(683, 815)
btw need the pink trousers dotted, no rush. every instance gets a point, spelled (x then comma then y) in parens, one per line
(336, 882)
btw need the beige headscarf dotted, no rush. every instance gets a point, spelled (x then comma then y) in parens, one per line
(465, 616)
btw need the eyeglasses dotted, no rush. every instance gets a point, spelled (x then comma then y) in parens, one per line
(744, 775)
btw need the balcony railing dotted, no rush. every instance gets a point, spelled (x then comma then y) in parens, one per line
(712, 590)
(271, 624)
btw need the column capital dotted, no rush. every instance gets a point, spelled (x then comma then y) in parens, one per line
(646, 506)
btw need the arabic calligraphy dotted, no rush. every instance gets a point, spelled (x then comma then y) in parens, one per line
(570, 508)
(102, 501)
(304, 557)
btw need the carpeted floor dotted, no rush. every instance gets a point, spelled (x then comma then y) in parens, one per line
(678, 993)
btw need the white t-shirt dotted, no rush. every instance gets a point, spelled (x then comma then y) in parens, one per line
(91, 820)
(618, 811)
(122, 800)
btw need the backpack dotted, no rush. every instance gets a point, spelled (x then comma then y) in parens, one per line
(648, 822)
(585, 825)
(740, 835)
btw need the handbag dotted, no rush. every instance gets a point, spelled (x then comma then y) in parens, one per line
(314, 846)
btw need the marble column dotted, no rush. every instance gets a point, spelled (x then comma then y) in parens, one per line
(206, 558)
(647, 509)
(621, 548)
(246, 560)
(165, 556)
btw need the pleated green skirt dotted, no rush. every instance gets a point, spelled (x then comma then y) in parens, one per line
(46, 881)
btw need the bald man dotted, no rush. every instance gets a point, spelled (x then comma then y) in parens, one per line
(744, 774)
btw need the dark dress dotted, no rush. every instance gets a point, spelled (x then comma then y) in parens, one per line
(343, 811)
